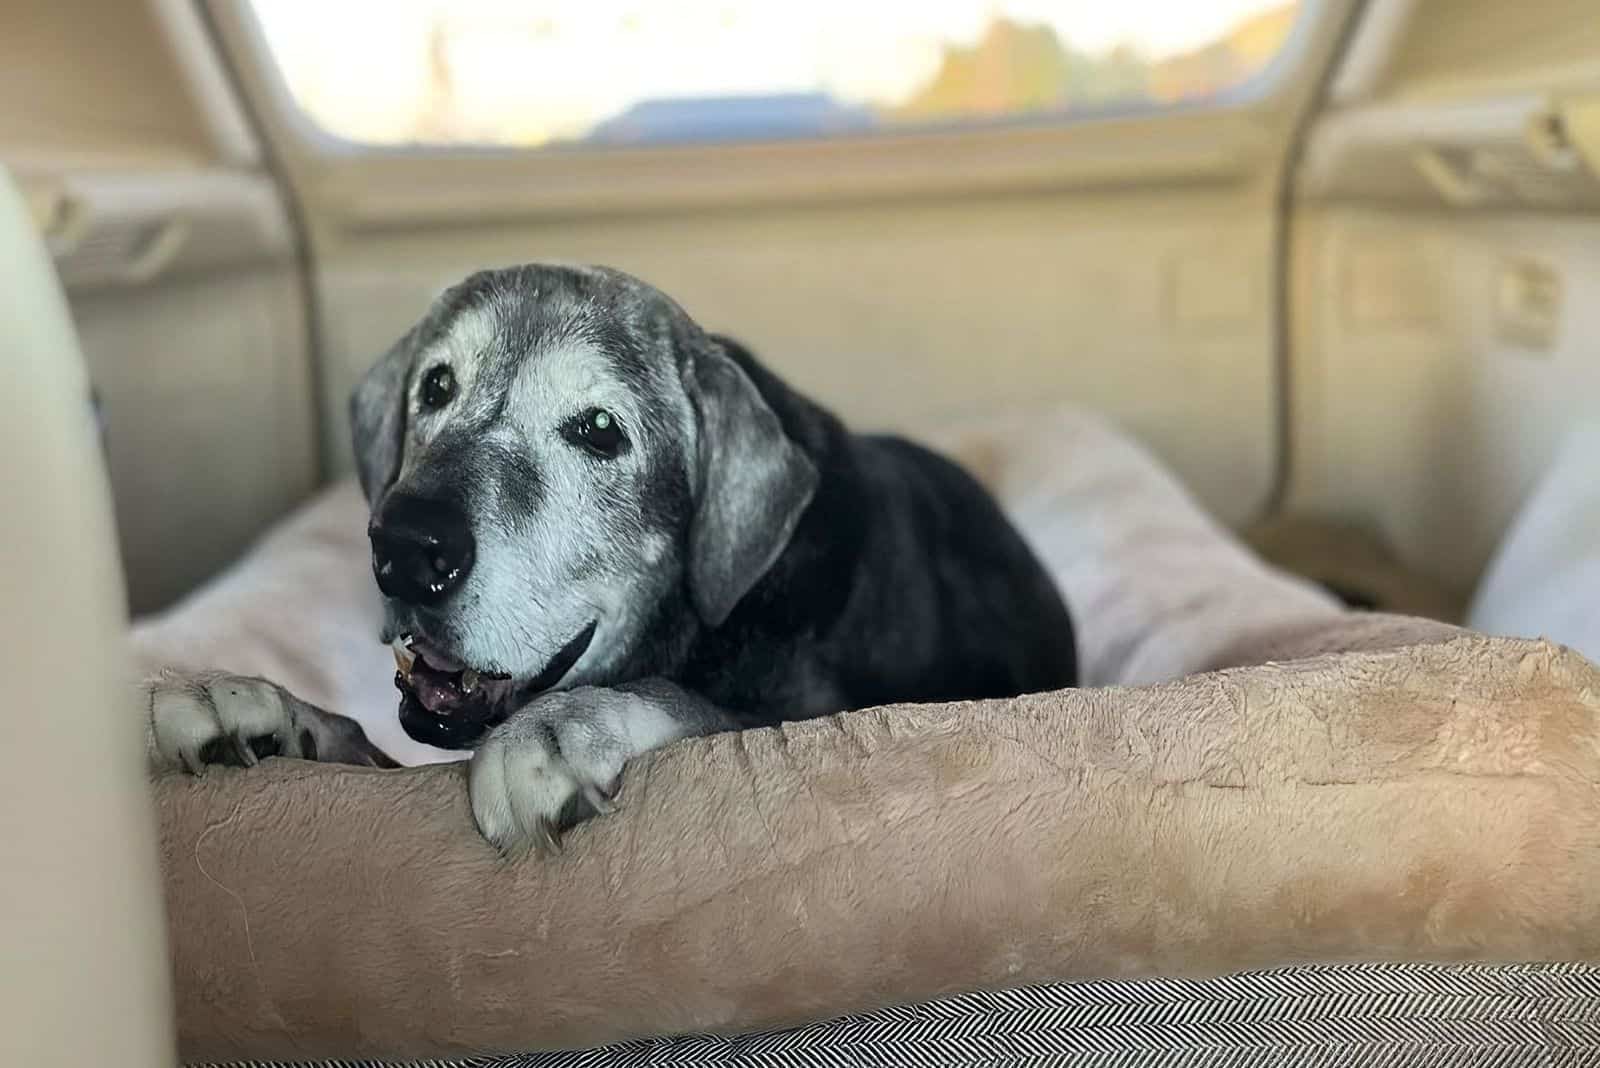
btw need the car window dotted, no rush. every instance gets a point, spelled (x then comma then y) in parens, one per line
(574, 73)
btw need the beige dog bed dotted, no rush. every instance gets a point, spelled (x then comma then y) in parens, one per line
(1431, 797)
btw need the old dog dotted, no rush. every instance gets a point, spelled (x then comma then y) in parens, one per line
(599, 529)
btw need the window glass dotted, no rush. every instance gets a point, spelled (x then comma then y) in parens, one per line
(630, 72)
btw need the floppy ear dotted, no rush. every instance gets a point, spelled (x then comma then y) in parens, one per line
(378, 418)
(754, 485)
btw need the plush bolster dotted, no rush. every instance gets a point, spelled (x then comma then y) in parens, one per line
(1431, 802)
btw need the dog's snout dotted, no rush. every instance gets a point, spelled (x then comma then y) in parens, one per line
(422, 549)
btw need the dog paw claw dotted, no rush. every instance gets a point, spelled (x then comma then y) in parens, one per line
(538, 774)
(212, 718)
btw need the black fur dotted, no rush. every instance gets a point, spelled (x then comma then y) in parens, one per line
(903, 582)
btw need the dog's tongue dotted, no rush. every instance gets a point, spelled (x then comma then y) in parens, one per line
(436, 690)
(443, 685)
(433, 678)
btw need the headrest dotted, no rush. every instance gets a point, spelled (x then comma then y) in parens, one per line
(80, 908)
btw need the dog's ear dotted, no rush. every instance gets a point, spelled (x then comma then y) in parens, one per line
(754, 484)
(378, 418)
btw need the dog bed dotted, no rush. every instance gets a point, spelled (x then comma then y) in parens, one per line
(1256, 780)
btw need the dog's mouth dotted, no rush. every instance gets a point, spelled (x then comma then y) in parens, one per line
(447, 704)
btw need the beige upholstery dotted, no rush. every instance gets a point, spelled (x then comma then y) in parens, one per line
(1545, 577)
(84, 965)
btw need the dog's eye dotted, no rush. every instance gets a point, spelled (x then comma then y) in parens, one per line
(598, 431)
(438, 386)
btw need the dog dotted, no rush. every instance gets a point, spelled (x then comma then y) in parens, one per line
(599, 529)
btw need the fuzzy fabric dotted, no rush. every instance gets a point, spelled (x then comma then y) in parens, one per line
(1434, 802)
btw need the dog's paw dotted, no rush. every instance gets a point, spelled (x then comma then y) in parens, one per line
(238, 720)
(552, 765)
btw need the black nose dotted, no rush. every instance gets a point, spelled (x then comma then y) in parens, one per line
(422, 549)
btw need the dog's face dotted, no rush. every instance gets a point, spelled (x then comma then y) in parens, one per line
(561, 466)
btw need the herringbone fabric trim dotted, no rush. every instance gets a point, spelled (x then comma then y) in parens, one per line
(1352, 1016)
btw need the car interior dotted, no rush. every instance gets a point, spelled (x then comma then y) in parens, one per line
(1335, 264)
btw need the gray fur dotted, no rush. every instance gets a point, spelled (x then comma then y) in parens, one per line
(753, 486)
(530, 347)
(377, 423)
(559, 760)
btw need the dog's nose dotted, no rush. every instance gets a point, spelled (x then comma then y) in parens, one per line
(422, 549)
